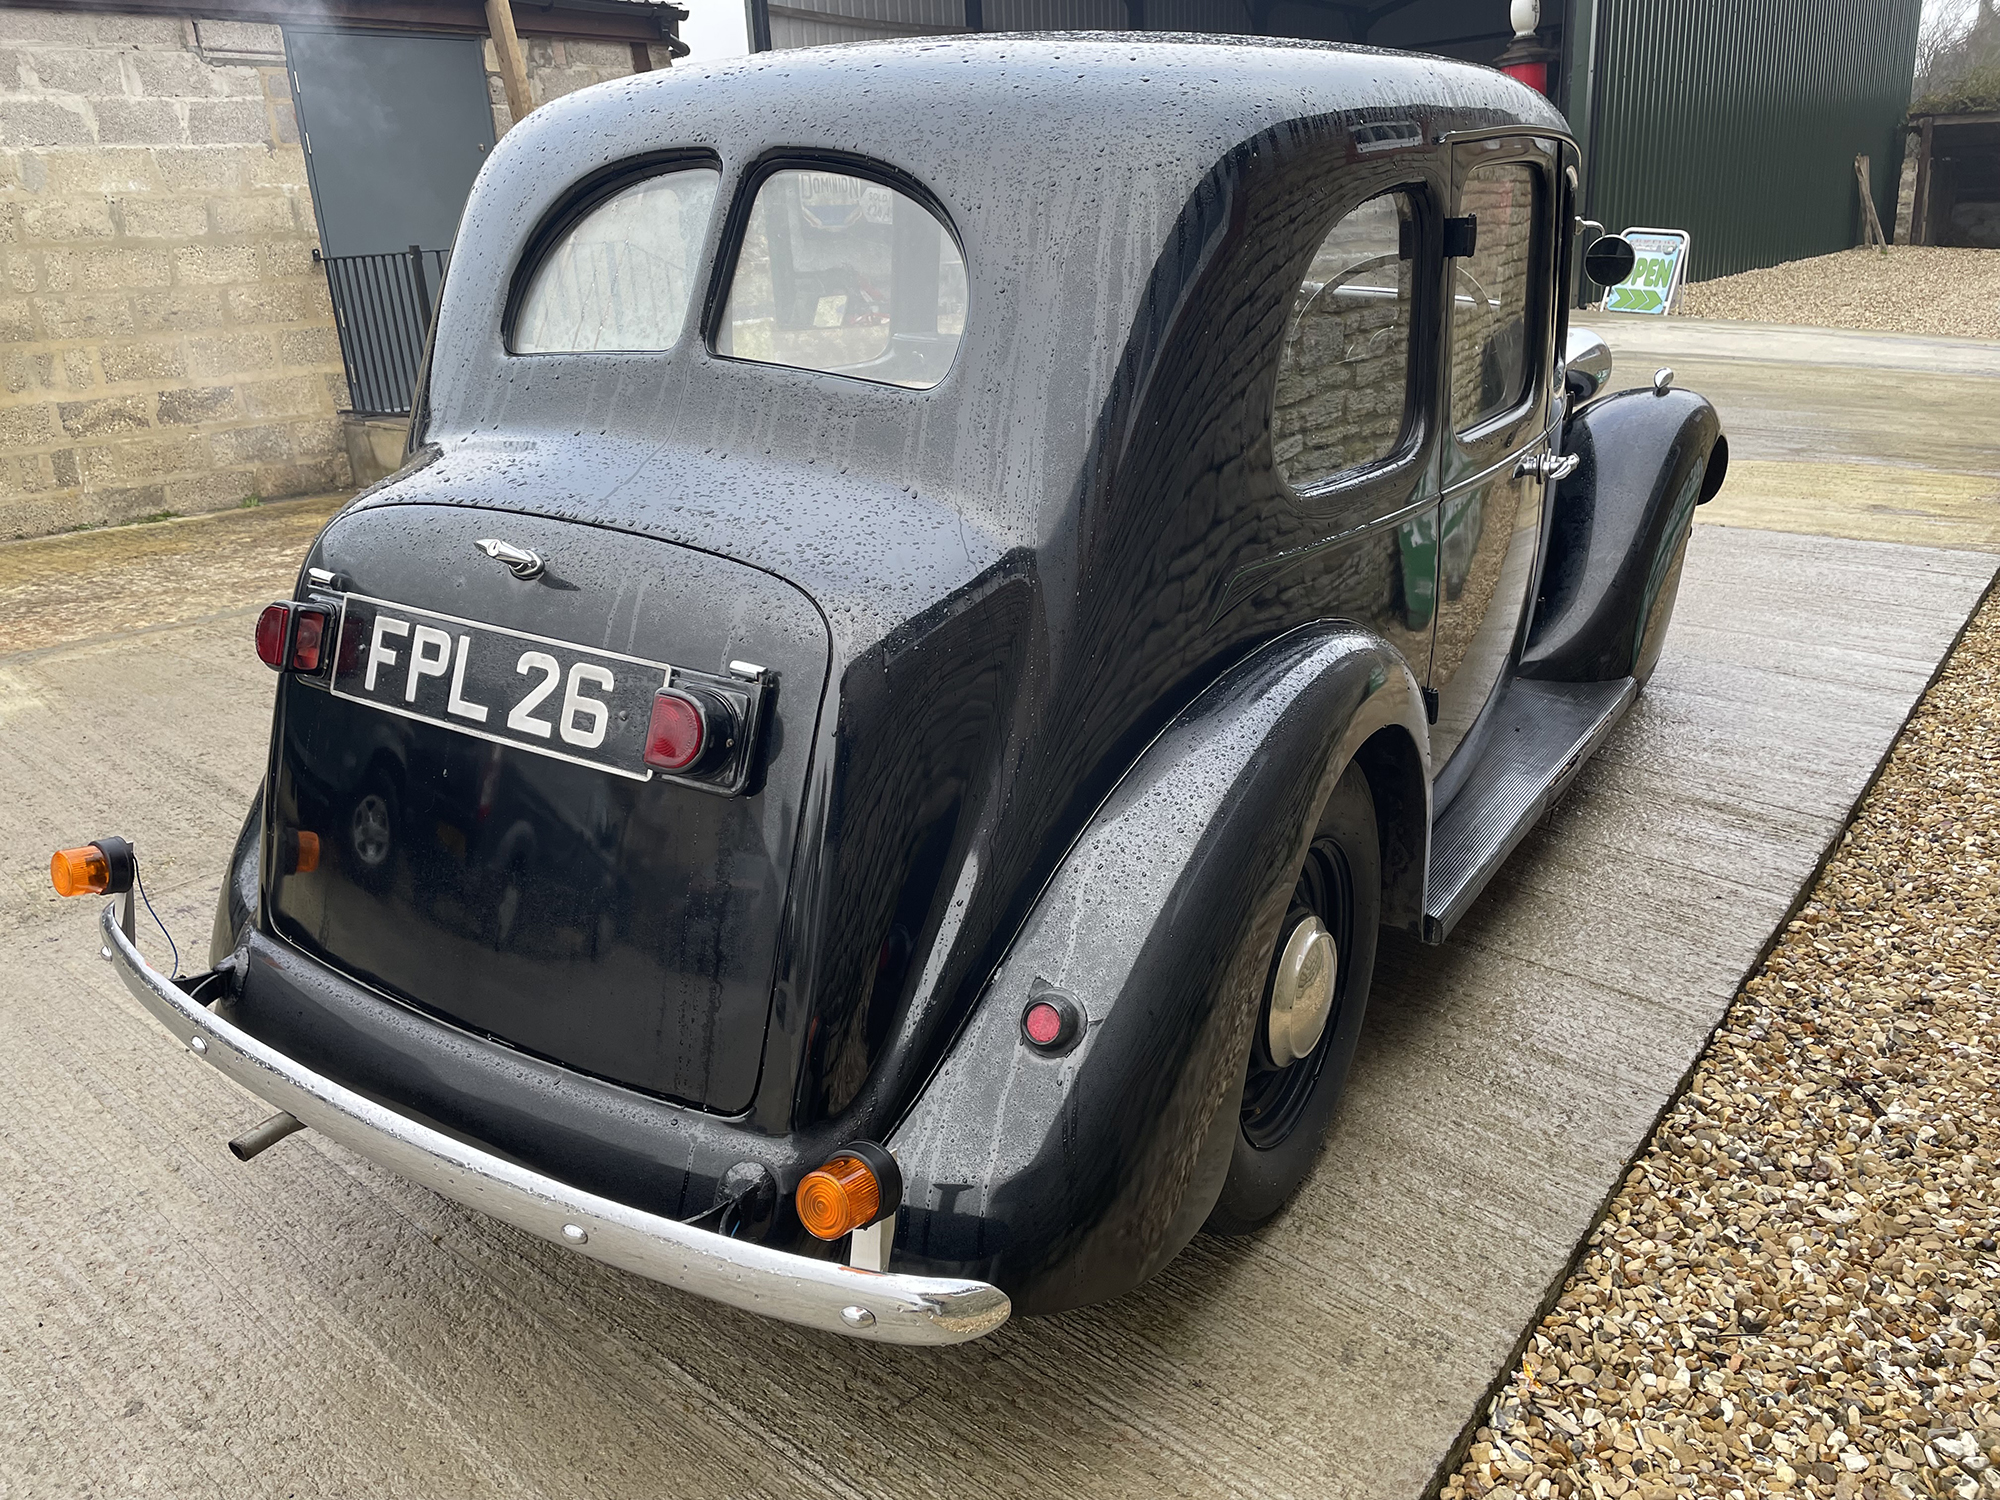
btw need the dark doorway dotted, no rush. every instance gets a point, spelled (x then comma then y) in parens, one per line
(396, 127)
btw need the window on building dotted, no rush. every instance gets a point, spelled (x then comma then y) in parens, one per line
(1343, 375)
(845, 275)
(1493, 294)
(624, 275)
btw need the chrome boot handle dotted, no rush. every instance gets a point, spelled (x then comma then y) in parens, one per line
(1547, 467)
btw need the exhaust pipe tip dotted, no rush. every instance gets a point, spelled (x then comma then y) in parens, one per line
(263, 1137)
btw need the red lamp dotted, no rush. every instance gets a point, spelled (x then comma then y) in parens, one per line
(1526, 59)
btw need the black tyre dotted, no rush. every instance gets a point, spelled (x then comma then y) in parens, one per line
(1295, 1078)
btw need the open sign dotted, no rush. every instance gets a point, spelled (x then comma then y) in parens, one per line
(1659, 263)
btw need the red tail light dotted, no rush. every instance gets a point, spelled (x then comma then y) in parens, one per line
(307, 640)
(292, 637)
(679, 731)
(272, 627)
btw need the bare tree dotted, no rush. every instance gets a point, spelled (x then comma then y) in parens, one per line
(1958, 54)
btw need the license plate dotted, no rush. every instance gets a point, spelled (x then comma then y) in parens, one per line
(554, 698)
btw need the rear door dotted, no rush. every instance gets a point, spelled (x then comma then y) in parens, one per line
(1353, 427)
(1496, 375)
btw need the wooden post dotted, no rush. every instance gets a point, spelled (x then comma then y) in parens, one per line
(1920, 200)
(513, 67)
(1871, 225)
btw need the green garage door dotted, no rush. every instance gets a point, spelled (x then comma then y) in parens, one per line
(396, 127)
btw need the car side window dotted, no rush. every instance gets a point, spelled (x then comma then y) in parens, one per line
(841, 274)
(1343, 374)
(1493, 293)
(624, 275)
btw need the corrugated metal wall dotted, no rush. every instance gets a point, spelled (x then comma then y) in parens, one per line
(816, 23)
(1736, 120)
(1739, 121)
(813, 23)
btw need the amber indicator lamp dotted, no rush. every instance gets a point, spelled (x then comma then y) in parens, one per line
(859, 1185)
(80, 872)
(101, 868)
(298, 851)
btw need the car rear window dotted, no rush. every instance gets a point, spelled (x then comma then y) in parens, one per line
(1343, 375)
(842, 274)
(623, 276)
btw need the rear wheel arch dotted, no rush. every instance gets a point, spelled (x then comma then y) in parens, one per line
(1399, 781)
(1070, 1178)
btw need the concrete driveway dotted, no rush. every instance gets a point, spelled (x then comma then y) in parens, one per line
(174, 1323)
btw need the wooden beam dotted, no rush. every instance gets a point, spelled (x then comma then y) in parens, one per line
(513, 67)
(631, 23)
(1870, 223)
(1974, 117)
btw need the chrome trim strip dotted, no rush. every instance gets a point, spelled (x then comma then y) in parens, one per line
(884, 1306)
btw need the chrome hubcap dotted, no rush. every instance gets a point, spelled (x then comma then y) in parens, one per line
(1302, 992)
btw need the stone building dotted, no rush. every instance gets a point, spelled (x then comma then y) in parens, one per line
(167, 342)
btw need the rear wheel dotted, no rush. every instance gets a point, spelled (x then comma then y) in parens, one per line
(1314, 995)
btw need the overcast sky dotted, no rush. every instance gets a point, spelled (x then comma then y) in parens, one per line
(1936, 11)
(719, 28)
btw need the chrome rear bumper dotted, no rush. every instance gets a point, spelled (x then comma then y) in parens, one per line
(884, 1306)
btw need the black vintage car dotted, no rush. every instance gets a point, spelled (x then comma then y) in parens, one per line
(941, 596)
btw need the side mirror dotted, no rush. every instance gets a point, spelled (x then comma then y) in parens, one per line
(1610, 259)
(1586, 364)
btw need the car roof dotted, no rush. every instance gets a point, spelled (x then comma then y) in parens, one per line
(1081, 174)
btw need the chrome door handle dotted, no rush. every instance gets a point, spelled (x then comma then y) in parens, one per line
(1547, 467)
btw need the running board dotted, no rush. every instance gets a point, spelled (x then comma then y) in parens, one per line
(1545, 732)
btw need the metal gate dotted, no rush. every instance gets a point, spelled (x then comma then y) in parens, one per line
(382, 306)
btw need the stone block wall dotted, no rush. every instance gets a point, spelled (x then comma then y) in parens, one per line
(558, 66)
(166, 343)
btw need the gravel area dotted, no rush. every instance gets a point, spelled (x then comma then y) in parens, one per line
(1920, 289)
(1794, 1292)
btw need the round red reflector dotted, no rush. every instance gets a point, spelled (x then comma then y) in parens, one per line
(1043, 1023)
(674, 739)
(271, 627)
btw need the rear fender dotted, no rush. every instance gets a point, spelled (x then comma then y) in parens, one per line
(1069, 1179)
(1617, 528)
(236, 903)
